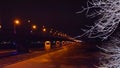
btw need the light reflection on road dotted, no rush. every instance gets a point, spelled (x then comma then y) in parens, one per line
(67, 57)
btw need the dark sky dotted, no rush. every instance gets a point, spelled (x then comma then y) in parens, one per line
(60, 15)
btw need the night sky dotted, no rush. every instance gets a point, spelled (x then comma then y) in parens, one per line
(60, 15)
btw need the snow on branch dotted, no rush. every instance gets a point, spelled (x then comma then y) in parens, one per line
(110, 53)
(109, 12)
(107, 24)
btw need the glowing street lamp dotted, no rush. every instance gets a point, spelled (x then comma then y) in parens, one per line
(0, 26)
(51, 31)
(44, 29)
(16, 22)
(29, 21)
(34, 27)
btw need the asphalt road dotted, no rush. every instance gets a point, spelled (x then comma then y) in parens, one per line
(75, 55)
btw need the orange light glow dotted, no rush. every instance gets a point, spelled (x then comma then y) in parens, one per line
(17, 22)
(0, 26)
(34, 27)
(44, 29)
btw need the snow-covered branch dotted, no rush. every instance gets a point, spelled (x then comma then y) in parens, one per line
(106, 25)
(110, 52)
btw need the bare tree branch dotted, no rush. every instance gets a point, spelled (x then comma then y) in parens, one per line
(104, 28)
(106, 25)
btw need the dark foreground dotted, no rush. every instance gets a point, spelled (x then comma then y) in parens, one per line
(74, 55)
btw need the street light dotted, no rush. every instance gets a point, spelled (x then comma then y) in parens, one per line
(29, 21)
(51, 31)
(0, 26)
(34, 27)
(16, 22)
(44, 29)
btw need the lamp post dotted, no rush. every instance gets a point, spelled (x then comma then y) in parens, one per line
(16, 22)
(20, 40)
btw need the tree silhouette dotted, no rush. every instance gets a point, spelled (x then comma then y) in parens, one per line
(105, 28)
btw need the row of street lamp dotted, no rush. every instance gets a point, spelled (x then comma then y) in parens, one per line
(44, 29)
(17, 23)
(34, 27)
